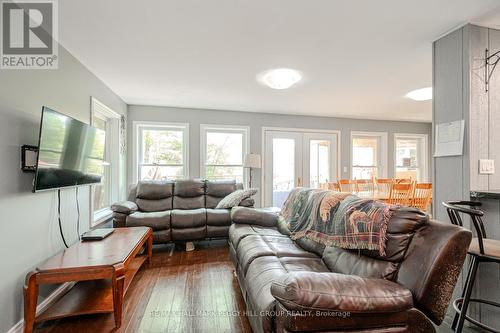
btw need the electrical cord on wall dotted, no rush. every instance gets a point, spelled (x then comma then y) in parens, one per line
(78, 212)
(59, 217)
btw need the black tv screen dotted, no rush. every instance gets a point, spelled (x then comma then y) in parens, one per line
(70, 152)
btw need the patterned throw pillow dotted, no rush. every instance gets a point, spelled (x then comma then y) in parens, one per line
(233, 199)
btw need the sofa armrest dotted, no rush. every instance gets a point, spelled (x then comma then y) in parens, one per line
(339, 292)
(256, 216)
(124, 207)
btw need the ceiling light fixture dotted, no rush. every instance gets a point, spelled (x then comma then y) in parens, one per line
(279, 78)
(423, 94)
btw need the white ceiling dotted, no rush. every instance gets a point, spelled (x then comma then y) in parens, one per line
(359, 57)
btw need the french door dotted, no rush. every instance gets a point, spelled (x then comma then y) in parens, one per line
(297, 158)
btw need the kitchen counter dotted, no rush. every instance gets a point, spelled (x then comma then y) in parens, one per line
(486, 194)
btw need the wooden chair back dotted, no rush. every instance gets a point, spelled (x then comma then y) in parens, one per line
(365, 185)
(384, 185)
(400, 194)
(334, 187)
(403, 180)
(422, 196)
(348, 185)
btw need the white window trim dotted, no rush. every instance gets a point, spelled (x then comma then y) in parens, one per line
(204, 128)
(265, 129)
(425, 152)
(136, 144)
(384, 163)
(97, 107)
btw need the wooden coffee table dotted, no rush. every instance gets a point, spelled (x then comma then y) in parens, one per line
(102, 270)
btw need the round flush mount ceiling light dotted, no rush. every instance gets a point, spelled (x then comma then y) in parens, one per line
(423, 94)
(279, 78)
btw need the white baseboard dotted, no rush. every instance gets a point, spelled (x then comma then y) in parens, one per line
(54, 296)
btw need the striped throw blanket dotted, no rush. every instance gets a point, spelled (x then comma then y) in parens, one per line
(337, 219)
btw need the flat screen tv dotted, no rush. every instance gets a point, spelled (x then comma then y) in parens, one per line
(70, 152)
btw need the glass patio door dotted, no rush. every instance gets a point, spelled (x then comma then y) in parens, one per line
(294, 159)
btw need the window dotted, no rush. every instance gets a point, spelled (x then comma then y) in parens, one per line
(368, 155)
(411, 156)
(162, 151)
(223, 149)
(104, 194)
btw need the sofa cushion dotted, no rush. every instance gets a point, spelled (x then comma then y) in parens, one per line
(235, 198)
(351, 262)
(239, 231)
(154, 190)
(189, 188)
(218, 217)
(340, 292)
(190, 218)
(156, 205)
(254, 246)
(156, 220)
(258, 280)
(216, 190)
(262, 273)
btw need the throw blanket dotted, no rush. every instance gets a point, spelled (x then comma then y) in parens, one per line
(337, 219)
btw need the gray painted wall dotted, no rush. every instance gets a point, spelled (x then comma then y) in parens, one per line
(459, 93)
(256, 121)
(28, 226)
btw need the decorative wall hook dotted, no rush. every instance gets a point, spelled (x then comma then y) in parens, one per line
(490, 63)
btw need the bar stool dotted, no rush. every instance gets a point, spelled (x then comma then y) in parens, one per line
(481, 250)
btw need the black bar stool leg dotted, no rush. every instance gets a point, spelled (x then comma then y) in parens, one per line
(468, 292)
(469, 270)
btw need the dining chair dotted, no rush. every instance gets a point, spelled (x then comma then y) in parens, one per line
(334, 187)
(365, 185)
(403, 180)
(422, 196)
(481, 249)
(400, 194)
(348, 185)
(384, 185)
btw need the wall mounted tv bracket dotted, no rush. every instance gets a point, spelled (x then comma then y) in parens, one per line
(29, 155)
(490, 63)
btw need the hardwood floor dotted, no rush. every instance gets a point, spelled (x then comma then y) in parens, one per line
(180, 292)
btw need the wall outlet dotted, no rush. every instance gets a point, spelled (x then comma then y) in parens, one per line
(486, 167)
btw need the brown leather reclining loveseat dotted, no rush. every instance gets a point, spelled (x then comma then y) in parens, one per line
(302, 286)
(183, 210)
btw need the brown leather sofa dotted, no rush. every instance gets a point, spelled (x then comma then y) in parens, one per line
(304, 286)
(183, 210)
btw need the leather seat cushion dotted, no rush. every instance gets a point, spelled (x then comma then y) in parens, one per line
(239, 231)
(254, 246)
(218, 217)
(154, 220)
(263, 272)
(188, 218)
(340, 292)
